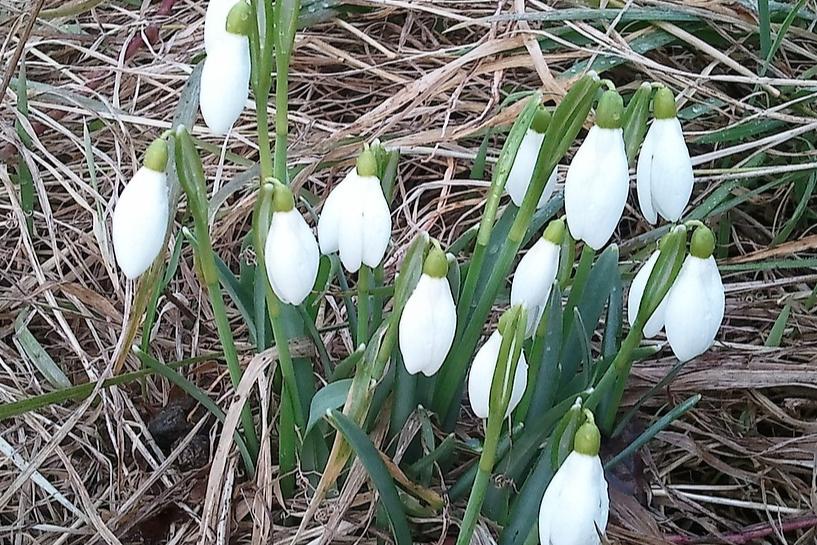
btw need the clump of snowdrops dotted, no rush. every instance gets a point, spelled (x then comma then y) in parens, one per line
(427, 346)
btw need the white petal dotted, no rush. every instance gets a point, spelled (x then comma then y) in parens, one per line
(695, 307)
(534, 279)
(575, 506)
(215, 23)
(550, 187)
(332, 213)
(482, 372)
(520, 175)
(350, 236)
(225, 81)
(596, 187)
(140, 222)
(643, 176)
(656, 322)
(427, 326)
(376, 221)
(671, 176)
(291, 256)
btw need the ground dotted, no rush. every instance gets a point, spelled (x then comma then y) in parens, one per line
(104, 78)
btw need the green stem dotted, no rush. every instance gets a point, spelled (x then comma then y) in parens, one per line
(478, 491)
(363, 281)
(281, 118)
(261, 69)
(576, 290)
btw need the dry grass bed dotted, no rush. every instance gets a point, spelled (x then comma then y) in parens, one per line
(428, 77)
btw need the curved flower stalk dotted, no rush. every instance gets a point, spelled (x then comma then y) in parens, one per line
(536, 274)
(598, 179)
(291, 252)
(576, 505)
(519, 177)
(695, 304)
(664, 173)
(656, 322)
(356, 221)
(429, 319)
(140, 217)
(225, 77)
(482, 374)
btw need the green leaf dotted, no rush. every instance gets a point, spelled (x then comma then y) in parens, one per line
(634, 121)
(779, 327)
(38, 356)
(331, 396)
(478, 169)
(371, 460)
(525, 508)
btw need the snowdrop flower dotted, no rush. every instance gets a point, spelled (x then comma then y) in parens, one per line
(225, 77)
(429, 319)
(664, 172)
(656, 322)
(695, 303)
(215, 23)
(598, 180)
(291, 252)
(576, 504)
(482, 374)
(536, 273)
(519, 178)
(356, 221)
(140, 216)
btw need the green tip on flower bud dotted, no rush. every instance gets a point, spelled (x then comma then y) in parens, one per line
(588, 439)
(367, 163)
(555, 231)
(156, 155)
(238, 20)
(610, 110)
(541, 120)
(436, 264)
(282, 199)
(703, 242)
(664, 104)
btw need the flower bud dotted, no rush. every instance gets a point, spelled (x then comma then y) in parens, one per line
(536, 273)
(482, 374)
(520, 176)
(141, 215)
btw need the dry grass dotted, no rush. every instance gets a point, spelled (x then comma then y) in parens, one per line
(428, 77)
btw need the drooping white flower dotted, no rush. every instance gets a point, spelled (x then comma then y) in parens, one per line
(656, 322)
(429, 319)
(664, 173)
(519, 178)
(576, 504)
(696, 301)
(482, 374)
(140, 217)
(598, 179)
(291, 252)
(536, 273)
(225, 76)
(355, 220)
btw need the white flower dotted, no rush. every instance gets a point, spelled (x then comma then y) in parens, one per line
(694, 307)
(521, 172)
(291, 256)
(215, 23)
(596, 186)
(427, 325)
(225, 80)
(534, 279)
(482, 374)
(664, 173)
(576, 505)
(356, 221)
(140, 221)
(656, 322)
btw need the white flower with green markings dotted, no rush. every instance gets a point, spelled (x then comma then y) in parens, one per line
(536, 274)
(576, 504)
(482, 375)
(598, 177)
(429, 319)
(141, 214)
(291, 252)
(356, 221)
(664, 173)
(521, 174)
(656, 322)
(225, 76)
